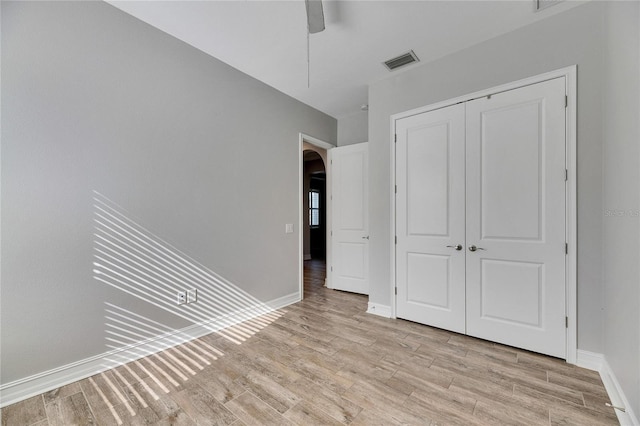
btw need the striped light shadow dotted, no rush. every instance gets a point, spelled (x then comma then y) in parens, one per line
(229, 336)
(115, 415)
(153, 377)
(233, 329)
(193, 351)
(125, 330)
(125, 362)
(179, 358)
(116, 234)
(153, 349)
(154, 366)
(262, 322)
(135, 328)
(206, 348)
(129, 257)
(161, 357)
(153, 329)
(241, 328)
(124, 334)
(146, 354)
(119, 394)
(131, 388)
(139, 353)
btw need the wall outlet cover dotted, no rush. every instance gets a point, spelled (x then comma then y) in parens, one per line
(192, 295)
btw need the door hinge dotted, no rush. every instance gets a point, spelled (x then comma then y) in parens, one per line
(566, 175)
(566, 248)
(566, 322)
(396, 189)
(395, 138)
(332, 269)
(566, 101)
(396, 291)
(396, 239)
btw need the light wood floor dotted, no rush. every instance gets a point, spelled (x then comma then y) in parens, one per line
(325, 361)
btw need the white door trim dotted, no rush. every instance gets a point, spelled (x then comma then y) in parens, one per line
(570, 74)
(302, 138)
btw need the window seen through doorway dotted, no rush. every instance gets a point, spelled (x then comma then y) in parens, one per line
(314, 208)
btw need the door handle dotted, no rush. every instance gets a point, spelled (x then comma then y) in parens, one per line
(457, 247)
(365, 238)
(474, 248)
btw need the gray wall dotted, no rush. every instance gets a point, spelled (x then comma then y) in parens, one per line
(621, 165)
(578, 36)
(353, 128)
(94, 99)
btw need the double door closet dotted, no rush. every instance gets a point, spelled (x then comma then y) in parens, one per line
(481, 217)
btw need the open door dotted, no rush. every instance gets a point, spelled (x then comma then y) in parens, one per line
(350, 218)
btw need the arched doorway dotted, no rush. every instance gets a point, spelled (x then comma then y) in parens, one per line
(314, 226)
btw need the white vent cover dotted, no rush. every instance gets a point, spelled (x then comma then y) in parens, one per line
(401, 61)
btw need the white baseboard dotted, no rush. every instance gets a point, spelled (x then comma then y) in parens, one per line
(589, 360)
(598, 362)
(617, 396)
(307, 257)
(380, 310)
(27, 387)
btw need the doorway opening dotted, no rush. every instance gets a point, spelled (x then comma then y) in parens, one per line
(314, 224)
(314, 191)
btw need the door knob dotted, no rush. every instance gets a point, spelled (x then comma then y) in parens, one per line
(365, 238)
(474, 248)
(457, 247)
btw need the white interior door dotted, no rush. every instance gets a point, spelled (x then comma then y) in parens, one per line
(430, 218)
(516, 217)
(488, 174)
(350, 218)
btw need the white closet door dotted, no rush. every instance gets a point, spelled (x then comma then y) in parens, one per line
(350, 218)
(516, 217)
(430, 218)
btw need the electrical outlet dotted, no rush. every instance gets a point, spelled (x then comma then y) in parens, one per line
(182, 297)
(192, 295)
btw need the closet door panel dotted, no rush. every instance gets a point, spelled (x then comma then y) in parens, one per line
(515, 210)
(430, 218)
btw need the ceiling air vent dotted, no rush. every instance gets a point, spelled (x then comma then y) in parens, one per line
(401, 61)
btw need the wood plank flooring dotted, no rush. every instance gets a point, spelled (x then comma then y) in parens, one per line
(324, 361)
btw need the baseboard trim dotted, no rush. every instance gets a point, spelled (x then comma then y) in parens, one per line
(617, 397)
(307, 257)
(380, 310)
(36, 384)
(589, 360)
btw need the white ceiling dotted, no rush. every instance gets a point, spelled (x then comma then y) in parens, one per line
(268, 40)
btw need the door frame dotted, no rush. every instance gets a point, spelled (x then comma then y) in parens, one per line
(302, 138)
(570, 74)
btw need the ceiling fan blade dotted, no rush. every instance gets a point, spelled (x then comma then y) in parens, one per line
(315, 16)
